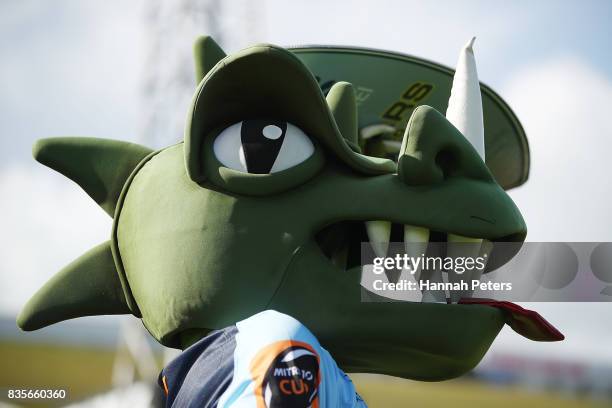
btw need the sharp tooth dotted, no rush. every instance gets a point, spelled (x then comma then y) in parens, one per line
(485, 252)
(416, 234)
(433, 296)
(379, 233)
(461, 246)
(461, 238)
(415, 243)
(433, 276)
(484, 249)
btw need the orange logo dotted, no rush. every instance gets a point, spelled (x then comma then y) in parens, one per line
(286, 374)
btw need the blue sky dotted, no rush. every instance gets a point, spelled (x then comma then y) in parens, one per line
(77, 68)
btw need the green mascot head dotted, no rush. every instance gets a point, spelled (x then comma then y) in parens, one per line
(265, 202)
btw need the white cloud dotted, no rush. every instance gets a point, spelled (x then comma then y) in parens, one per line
(586, 327)
(71, 68)
(434, 30)
(47, 221)
(564, 105)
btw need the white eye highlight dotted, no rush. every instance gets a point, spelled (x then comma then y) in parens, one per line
(262, 146)
(272, 132)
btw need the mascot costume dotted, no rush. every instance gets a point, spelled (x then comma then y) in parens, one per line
(240, 244)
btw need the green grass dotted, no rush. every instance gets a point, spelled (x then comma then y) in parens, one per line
(381, 391)
(86, 371)
(81, 371)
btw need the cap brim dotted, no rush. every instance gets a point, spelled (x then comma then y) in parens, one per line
(391, 85)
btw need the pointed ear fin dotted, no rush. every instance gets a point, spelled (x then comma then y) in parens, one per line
(206, 53)
(100, 166)
(89, 286)
(343, 105)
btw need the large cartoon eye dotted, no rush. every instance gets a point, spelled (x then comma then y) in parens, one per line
(262, 146)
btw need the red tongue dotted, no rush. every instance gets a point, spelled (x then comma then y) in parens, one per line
(527, 323)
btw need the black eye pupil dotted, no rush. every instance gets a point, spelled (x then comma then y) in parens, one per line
(260, 150)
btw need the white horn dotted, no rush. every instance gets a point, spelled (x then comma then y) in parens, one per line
(465, 103)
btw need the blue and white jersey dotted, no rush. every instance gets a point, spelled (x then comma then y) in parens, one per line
(269, 360)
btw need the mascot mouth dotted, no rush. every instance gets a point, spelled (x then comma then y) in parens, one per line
(342, 244)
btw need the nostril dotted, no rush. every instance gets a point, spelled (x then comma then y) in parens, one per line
(434, 150)
(448, 163)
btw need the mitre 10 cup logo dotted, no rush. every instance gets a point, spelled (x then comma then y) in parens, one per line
(286, 374)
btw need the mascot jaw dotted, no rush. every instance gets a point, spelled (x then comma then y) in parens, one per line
(342, 243)
(422, 341)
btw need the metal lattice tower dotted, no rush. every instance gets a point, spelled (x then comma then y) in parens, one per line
(169, 82)
(168, 86)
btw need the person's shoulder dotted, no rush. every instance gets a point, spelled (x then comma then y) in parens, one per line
(271, 324)
(270, 315)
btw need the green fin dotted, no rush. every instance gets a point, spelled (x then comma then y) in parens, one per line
(99, 166)
(88, 286)
(206, 53)
(343, 105)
